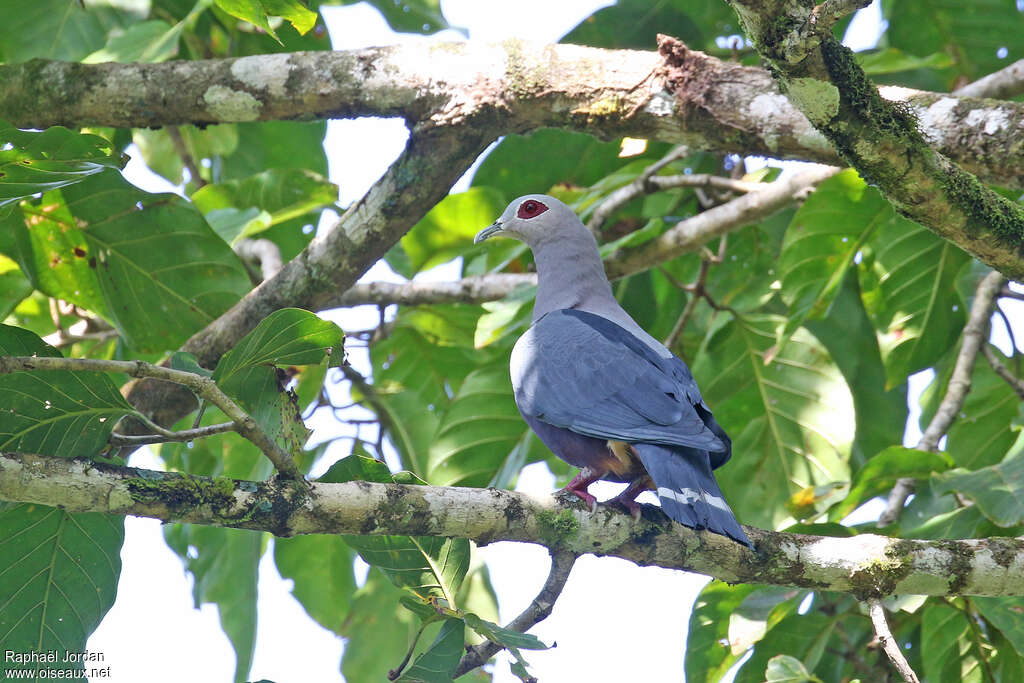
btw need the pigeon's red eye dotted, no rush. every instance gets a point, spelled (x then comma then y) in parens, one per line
(531, 208)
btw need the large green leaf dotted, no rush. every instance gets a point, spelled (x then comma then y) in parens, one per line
(850, 338)
(636, 23)
(708, 655)
(258, 13)
(148, 42)
(61, 29)
(320, 567)
(60, 574)
(275, 144)
(802, 637)
(283, 194)
(148, 263)
(790, 420)
(946, 639)
(520, 165)
(33, 162)
(447, 230)
(438, 662)
(479, 431)
(14, 286)
(934, 515)
(998, 490)
(69, 414)
(427, 566)
(224, 564)
(826, 234)
(907, 279)
(973, 38)
(881, 472)
(758, 613)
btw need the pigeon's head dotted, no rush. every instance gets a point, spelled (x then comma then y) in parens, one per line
(534, 218)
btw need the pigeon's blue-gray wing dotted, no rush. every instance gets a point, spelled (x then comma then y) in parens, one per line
(582, 372)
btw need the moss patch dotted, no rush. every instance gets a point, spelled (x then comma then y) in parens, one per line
(557, 527)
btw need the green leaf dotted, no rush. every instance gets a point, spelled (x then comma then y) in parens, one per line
(438, 662)
(636, 23)
(479, 431)
(60, 574)
(427, 566)
(758, 613)
(69, 414)
(950, 656)
(56, 157)
(931, 515)
(907, 280)
(782, 416)
(377, 630)
(14, 286)
(850, 339)
(279, 194)
(802, 637)
(524, 164)
(320, 567)
(224, 563)
(1006, 615)
(825, 235)
(146, 42)
(973, 38)
(276, 144)
(212, 143)
(186, 362)
(59, 29)
(892, 60)
(881, 472)
(412, 16)
(147, 263)
(708, 655)
(447, 230)
(786, 669)
(983, 431)
(503, 636)
(998, 490)
(247, 373)
(258, 12)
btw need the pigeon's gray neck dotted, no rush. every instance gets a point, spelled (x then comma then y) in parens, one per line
(570, 275)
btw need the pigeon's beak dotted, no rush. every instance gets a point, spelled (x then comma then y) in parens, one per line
(492, 229)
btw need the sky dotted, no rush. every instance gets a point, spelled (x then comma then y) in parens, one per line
(613, 621)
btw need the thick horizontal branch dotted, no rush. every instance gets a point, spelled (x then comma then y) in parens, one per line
(866, 566)
(700, 101)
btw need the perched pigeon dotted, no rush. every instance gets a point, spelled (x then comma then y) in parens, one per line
(601, 393)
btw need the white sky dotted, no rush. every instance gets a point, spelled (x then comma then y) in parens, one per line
(615, 621)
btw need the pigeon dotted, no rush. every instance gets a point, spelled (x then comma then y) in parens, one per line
(599, 391)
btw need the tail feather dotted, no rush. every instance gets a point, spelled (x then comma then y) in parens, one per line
(688, 491)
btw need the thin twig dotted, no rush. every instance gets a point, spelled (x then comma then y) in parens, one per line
(120, 440)
(889, 644)
(538, 610)
(956, 391)
(1008, 293)
(204, 387)
(1000, 369)
(174, 133)
(699, 289)
(1002, 85)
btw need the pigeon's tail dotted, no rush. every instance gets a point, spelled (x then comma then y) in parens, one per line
(688, 491)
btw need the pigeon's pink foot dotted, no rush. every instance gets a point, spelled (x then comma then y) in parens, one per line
(627, 499)
(578, 486)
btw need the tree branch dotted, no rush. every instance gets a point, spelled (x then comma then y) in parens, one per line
(433, 160)
(204, 387)
(1016, 383)
(889, 644)
(956, 391)
(865, 566)
(1001, 85)
(685, 237)
(537, 611)
(880, 140)
(128, 441)
(699, 100)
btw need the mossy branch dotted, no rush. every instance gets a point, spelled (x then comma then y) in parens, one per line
(865, 566)
(882, 139)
